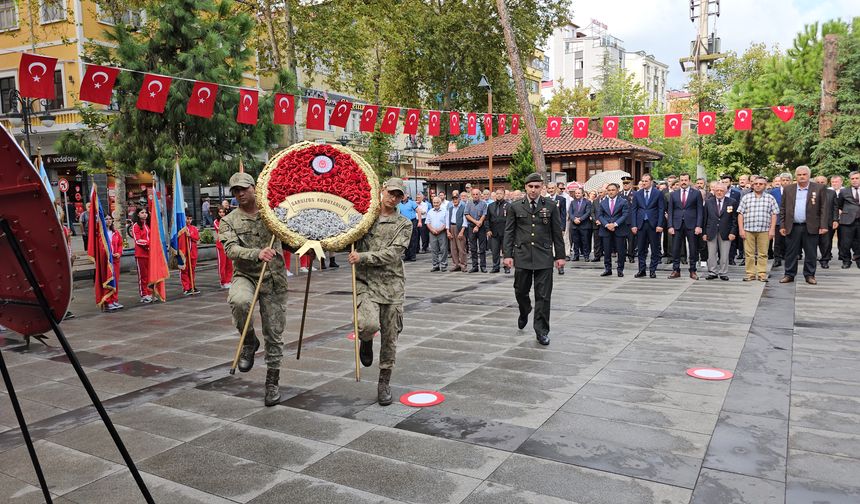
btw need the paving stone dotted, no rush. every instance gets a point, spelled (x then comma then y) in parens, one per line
(94, 439)
(112, 383)
(301, 489)
(120, 488)
(825, 402)
(750, 445)
(168, 422)
(33, 411)
(831, 469)
(803, 491)
(758, 394)
(826, 420)
(669, 418)
(211, 404)
(475, 430)
(496, 493)
(730, 488)
(14, 491)
(679, 382)
(61, 395)
(511, 413)
(308, 424)
(821, 441)
(660, 398)
(506, 391)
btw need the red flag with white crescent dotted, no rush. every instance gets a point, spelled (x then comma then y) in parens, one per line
(472, 124)
(641, 125)
(515, 124)
(368, 118)
(389, 121)
(488, 125)
(610, 127)
(202, 100)
(97, 86)
(784, 112)
(502, 120)
(315, 119)
(553, 126)
(743, 119)
(410, 124)
(672, 125)
(454, 123)
(580, 127)
(433, 123)
(707, 123)
(153, 93)
(285, 109)
(36, 76)
(340, 115)
(247, 106)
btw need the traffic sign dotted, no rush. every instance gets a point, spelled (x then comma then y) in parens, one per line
(64, 185)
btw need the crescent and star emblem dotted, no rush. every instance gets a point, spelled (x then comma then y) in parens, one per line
(434, 118)
(389, 117)
(455, 119)
(316, 107)
(98, 84)
(37, 64)
(673, 122)
(580, 124)
(640, 124)
(341, 109)
(250, 101)
(553, 122)
(368, 114)
(707, 119)
(158, 84)
(283, 105)
(742, 115)
(412, 118)
(610, 124)
(200, 94)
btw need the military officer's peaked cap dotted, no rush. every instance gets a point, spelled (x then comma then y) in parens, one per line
(242, 180)
(534, 177)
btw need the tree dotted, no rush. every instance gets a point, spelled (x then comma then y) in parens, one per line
(575, 101)
(522, 164)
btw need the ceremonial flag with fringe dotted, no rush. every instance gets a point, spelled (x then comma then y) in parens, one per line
(177, 229)
(44, 176)
(99, 250)
(158, 271)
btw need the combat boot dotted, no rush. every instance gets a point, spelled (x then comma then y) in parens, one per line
(383, 390)
(273, 392)
(246, 357)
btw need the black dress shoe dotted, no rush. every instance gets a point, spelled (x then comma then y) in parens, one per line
(724, 278)
(653, 274)
(597, 259)
(561, 271)
(435, 268)
(473, 270)
(742, 262)
(825, 264)
(494, 270)
(365, 353)
(620, 274)
(507, 271)
(711, 276)
(575, 258)
(732, 262)
(606, 273)
(543, 339)
(846, 265)
(483, 270)
(641, 274)
(522, 321)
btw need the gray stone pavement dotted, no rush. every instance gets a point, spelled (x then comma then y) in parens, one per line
(605, 414)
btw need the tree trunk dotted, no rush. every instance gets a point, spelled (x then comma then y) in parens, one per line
(522, 94)
(290, 62)
(828, 85)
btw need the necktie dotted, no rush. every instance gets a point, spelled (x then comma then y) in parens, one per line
(856, 194)
(647, 195)
(684, 198)
(579, 205)
(612, 205)
(719, 207)
(534, 206)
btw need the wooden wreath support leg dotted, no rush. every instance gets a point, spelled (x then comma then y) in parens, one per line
(355, 321)
(304, 314)
(250, 312)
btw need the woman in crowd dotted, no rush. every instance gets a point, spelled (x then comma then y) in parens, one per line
(225, 265)
(140, 233)
(115, 240)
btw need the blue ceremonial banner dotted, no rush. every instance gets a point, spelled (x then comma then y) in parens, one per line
(44, 176)
(177, 229)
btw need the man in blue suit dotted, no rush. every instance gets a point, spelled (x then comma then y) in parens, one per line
(779, 183)
(648, 209)
(580, 213)
(737, 246)
(685, 221)
(613, 214)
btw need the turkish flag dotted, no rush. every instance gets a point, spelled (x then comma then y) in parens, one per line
(580, 127)
(36, 76)
(389, 121)
(515, 124)
(488, 125)
(97, 86)
(340, 115)
(707, 123)
(743, 119)
(472, 125)
(672, 125)
(454, 123)
(784, 112)
(285, 109)
(368, 118)
(502, 120)
(433, 123)
(315, 119)
(202, 100)
(410, 125)
(153, 93)
(610, 127)
(640, 126)
(553, 126)
(247, 107)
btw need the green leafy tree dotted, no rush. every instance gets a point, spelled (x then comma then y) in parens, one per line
(575, 101)
(522, 164)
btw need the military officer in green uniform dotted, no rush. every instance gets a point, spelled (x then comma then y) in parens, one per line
(381, 284)
(533, 238)
(246, 242)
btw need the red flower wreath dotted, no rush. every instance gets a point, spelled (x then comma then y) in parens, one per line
(294, 174)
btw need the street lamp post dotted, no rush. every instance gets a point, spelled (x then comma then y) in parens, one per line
(486, 85)
(24, 117)
(415, 144)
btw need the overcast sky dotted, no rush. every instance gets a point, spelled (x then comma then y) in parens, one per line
(663, 27)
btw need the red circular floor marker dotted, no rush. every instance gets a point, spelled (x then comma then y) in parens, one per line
(709, 373)
(351, 336)
(422, 398)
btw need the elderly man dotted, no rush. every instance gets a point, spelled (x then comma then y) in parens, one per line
(423, 233)
(476, 215)
(804, 218)
(756, 224)
(497, 213)
(437, 227)
(581, 219)
(849, 221)
(457, 233)
(720, 225)
(825, 241)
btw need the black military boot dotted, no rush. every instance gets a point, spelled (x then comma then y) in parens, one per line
(365, 353)
(273, 392)
(332, 264)
(246, 357)
(383, 391)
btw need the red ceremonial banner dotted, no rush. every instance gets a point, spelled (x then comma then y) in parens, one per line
(641, 124)
(247, 106)
(340, 115)
(97, 86)
(389, 121)
(784, 112)
(502, 119)
(488, 125)
(36, 76)
(515, 125)
(434, 123)
(285, 109)
(553, 126)
(202, 100)
(580, 127)
(610, 127)
(153, 93)
(410, 125)
(454, 123)
(315, 119)
(707, 123)
(743, 119)
(368, 119)
(472, 124)
(672, 125)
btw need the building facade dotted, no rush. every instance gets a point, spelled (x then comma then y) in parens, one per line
(577, 59)
(651, 75)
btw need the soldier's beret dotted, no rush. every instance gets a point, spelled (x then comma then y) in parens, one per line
(534, 177)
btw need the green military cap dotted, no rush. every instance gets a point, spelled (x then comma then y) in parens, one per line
(242, 180)
(534, 177)
(395, 184)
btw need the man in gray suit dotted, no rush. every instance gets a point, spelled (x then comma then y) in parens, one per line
(849, 221)
(804, 218)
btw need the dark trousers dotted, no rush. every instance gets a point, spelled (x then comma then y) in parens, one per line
(424, 236)
(737, 248)
(825, 244)
(667, 244)
(778, 245)
(685, 234)
(703, 248)
(800, 239)
(631, 246)
(478, 246)
(645, 238)
(849, 239)
(496, 246)
(581, 240)
(612, 243)
(598, 244)
(543, 295)
(412, 250)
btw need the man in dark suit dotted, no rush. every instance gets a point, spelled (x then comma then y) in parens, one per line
(533, 243)
(737, 246)
(613, 214)
(685, 222)
(557, 190)
(497, 213)
(648, 221)
(849, 221)
(627, 192)
(804, 219)
(825, 242)
(779, 182)
(720, 225)
(580, 216)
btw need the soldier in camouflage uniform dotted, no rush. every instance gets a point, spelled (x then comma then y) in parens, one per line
(246, 241)
(380, 283)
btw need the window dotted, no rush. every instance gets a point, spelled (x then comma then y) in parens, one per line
(8, 15)
(58, 102)
(578, 82)
(129, 17)
(594, 166)
(7, 85)
(578, 64)
(51, 11)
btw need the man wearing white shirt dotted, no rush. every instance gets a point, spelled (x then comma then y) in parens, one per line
(437, 227)
(423, 234)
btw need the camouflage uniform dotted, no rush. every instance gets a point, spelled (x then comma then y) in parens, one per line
(380, 283)
(243, 236)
